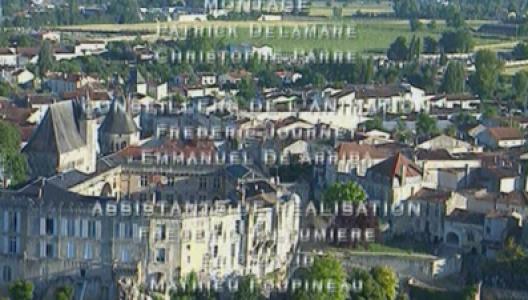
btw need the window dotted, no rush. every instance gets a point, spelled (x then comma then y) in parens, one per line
(50, 226)
(470, 236)
(237, 226)
(6, 273)
(160, 255)
(13, 245)
(216, 182)
(13, 222)
(218, 229)
(128, 231)
(170, 181)
(50, 250)
(203, 182)
(144, 181)
(88, 251)
(70, 250)
(215, 251)
(161, 232)
(125, 257)
(70, 227)
(91, 229)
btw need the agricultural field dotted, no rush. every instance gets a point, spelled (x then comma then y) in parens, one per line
(323, 9)
(371, 36)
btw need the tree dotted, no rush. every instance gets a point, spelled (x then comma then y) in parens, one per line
(454, 78)
(416, 24)
(21, 290)
(459, 41)
(64, 293)
(344, 192)
(455, 19)
(414, 48)
(12, 162)
(398, 50)
(430, 45)
(425, 126)
(520, 87)
(192, 290)
(387, 279)
(405, 8)
(248, 289)
(511, 251)
(326, 269)
(432, 25)
(375, 123)
(379, 283)
(401, 133)
(487, 70)
(247, 89)
(520, 51)
(124, 11)
(45, 59)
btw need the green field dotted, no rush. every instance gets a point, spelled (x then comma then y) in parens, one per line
(321, 9)
(372, 36)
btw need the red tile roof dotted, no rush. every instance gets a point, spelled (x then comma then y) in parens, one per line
(505, 133)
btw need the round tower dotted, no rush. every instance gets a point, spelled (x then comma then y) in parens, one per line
(118, 130)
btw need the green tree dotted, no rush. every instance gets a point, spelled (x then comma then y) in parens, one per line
(520, 87)
(248, 288)
(5, 89)
(12, 162)
(374, 123)
(459, 41)
(325, 269)
(378, 284)
(64, 293)
(398, 50)
(430, 45)
(45, 59)
(416, 24)
(455, 19)
(454, 78)
(520, 51)
(425, 126)
(401, 133)
(511, 251)
(344, 192)
(415, 48)
(387, 280)
(247, 89)
(432, 25)
(21, 290)
(487, 70)
(192, 291)
(406, 8)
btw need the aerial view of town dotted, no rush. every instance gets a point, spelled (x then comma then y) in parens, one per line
(263, 149)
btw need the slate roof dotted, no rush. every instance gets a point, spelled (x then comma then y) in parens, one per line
(58, 132)
(431, 195)
(118, 120)
(466, 217)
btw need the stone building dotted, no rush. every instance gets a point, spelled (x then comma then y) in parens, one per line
(118, 129)
(63, 140)
(52, 235)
